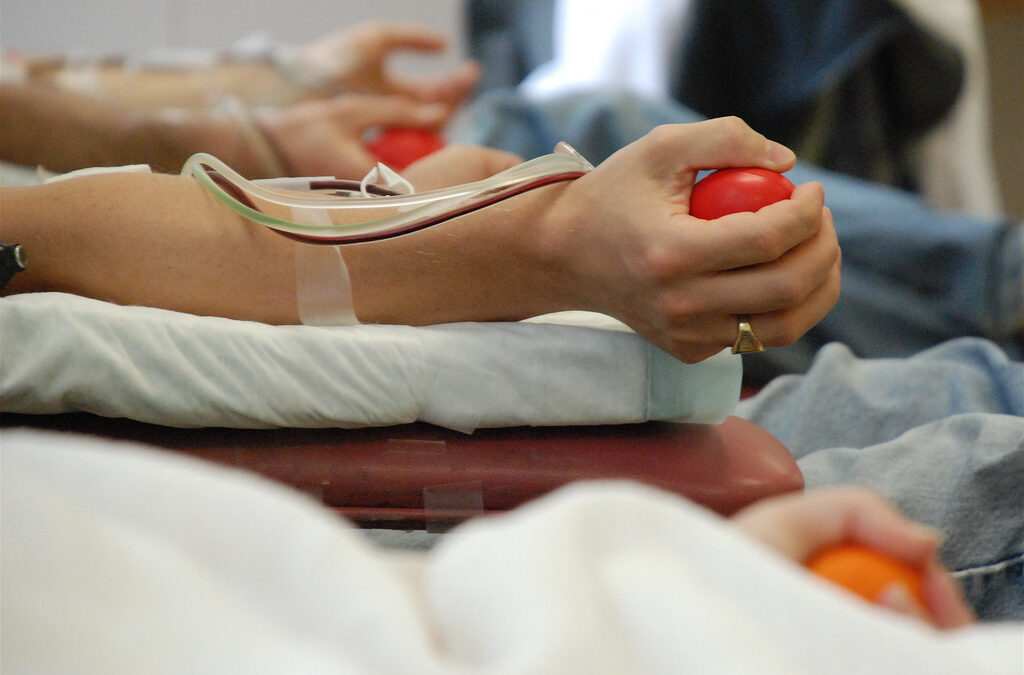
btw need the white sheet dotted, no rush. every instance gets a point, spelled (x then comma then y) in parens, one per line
(61, 352)
(118, 559)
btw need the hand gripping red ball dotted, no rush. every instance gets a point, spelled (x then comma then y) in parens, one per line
(736, 190)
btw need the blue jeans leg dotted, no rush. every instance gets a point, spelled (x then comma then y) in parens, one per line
(940, 434)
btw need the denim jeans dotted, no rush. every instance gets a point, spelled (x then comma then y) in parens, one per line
(912, 277)
(940, 434)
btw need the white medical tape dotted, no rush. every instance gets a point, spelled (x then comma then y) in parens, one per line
(383, 175)
(322, 285)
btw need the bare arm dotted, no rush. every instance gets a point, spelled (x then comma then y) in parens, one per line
(148, 239)
(63, 131)
(352, 60)
(38, 128)
(618, 240)
(256, 82)
(162, 241)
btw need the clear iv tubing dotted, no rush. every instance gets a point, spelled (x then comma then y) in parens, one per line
(390, 215)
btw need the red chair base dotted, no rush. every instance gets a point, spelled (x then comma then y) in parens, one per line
(420, 476)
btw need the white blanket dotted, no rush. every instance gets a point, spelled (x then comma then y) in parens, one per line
(61, 352)
(119, 559)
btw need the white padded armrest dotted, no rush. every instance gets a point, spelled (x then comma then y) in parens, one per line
(61, 353)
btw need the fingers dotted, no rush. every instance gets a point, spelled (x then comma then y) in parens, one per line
(681, 280)
(381, 37)
(375, 42)
(784, 297)
(897, 598)
(800, 525)
(702, 336)
(945, 599)
(327, 136)
(759, 262)
(745, 239)
(355, 61)
(784, 327)
(787, 297)
(713, 144)
(803, 524)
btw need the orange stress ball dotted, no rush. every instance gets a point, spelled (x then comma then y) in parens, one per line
(867, 572)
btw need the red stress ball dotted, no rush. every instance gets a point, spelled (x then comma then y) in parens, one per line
(736, 190)
(398, 147)
(867, 572)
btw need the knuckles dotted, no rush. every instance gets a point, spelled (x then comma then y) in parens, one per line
(733, 133)
(690, 352)
(661, 135)
(662, 263)
(371, 34)
(786, 290)
(769, 243)
(679, 309)
(785, 333)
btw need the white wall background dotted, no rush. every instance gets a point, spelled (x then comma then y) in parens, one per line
(118, 26)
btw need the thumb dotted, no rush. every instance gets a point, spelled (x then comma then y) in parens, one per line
(716, 144)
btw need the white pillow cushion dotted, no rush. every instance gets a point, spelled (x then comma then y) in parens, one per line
(62, 353)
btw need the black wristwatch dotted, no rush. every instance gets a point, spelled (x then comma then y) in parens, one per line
(12, 261)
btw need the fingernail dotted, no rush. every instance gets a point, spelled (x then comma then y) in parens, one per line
(778, 154)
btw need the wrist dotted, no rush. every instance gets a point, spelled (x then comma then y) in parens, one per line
(554, 239)
(251, 142)
(294, 69)
(543, 243)
(493, 264)
(165, 139)
(169, 137)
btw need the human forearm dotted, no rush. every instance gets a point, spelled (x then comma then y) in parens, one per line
(163, 241)
(352, 60)
(155, 240)
(148, 89)
(63, 131)
(619, 240)
(491, 265)
(60, 130)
